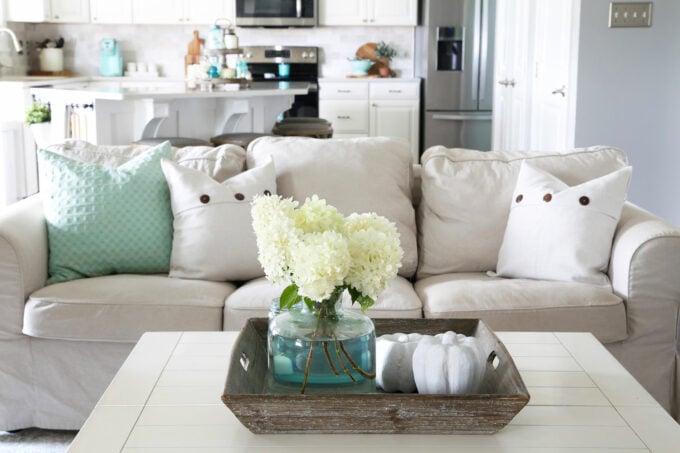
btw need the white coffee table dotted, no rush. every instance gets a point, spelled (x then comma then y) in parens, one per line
(166, 398)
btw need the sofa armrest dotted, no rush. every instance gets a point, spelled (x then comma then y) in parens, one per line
(23, 260)
(645, 272)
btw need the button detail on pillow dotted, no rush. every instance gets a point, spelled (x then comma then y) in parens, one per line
(213, 234)
(558, 232)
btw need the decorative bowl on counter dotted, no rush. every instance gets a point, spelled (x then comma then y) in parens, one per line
(360, 66)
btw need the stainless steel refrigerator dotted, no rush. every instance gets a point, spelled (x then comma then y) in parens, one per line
(454, 56)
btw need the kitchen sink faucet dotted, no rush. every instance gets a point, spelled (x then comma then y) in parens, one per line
(15, 41)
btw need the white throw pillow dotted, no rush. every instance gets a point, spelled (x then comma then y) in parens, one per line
(558, 232)
(220, 163)
(464, 205)
(213, 235)
(354, 175)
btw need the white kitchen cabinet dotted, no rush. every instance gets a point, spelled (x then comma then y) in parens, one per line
(368, 12)
(373, 108)
(71, 11)
(108, 12)
(181, 11)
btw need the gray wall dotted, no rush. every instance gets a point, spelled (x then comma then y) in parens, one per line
(629, 96)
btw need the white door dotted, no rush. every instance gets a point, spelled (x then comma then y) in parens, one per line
(26, 10)
(511, 112)
(342, 12)
(393, 12)
(70, 11)
(108, 12)
(553, 87)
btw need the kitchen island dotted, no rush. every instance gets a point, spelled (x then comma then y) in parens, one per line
(121, 112)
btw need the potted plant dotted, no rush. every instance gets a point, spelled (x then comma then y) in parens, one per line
(384, 53)
(38, 117)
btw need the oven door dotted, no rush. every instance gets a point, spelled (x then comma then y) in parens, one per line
(276, 13)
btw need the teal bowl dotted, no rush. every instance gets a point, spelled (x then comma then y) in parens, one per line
(360, 67)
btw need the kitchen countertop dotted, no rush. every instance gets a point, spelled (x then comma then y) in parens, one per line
(162, 89)
(369, 79)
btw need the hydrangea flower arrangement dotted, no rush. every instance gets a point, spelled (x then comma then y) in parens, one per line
(319, 253)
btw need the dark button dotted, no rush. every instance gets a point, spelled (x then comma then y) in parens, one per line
(584, 200)
(519, 198)
(266, 192)
(239, 196)
(205, 199)
(547, 197)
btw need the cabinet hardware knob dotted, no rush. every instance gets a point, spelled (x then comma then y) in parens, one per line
(394, 91)
(344, 91)
(343, 117)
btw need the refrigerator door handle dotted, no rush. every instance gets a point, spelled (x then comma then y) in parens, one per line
(484, 46)
(460, 117)
(476, 45)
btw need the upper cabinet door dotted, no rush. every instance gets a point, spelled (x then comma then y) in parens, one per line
(108, 12)
(26, 10)
(158, 12)
(72, 11)
(343, 12)
(206, 11)
(393, 12)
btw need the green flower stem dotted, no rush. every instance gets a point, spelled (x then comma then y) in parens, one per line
(328, 357)
(355, 365)
(311, 351)
(342, 362)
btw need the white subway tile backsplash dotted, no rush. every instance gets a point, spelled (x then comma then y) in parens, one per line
(166, 45)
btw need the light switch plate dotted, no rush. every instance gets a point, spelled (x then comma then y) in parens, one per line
(628, 14)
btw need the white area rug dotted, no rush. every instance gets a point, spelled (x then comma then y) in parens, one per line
(35, 440)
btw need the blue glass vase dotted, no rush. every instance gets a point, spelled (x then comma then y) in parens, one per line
(324, 348)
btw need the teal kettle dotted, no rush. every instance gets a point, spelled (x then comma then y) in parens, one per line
(110, 60)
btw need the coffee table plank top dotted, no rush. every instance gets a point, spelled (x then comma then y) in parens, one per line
(166, 398)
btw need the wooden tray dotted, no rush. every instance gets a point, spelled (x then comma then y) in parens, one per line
(501, 397)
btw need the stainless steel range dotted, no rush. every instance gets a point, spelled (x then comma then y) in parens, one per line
(301, 64)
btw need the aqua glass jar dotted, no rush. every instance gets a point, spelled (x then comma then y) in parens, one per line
(324, 347)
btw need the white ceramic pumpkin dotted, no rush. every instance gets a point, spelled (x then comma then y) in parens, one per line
(448, 363)
(393, 362)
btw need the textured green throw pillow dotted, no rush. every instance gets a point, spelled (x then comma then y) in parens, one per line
(103, 220)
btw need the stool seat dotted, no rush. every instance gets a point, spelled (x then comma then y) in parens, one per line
(177, 142)
(241, 139)
(304, 127)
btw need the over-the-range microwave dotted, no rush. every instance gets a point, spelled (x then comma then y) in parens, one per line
(276, 13)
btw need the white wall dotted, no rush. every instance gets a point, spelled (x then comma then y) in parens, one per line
(166, 45)
(629, 96)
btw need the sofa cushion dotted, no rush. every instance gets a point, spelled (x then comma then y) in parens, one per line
(103, 220)
(123, 307)
(220, 163)
(354, 175)
(557, 232)
(466, 198)
(213, 235)
(253, 299)
(530, 305)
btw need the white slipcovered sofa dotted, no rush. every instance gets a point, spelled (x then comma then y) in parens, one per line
(61, 344)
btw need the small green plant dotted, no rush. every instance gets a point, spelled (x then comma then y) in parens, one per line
(383, 50)
(38, 113)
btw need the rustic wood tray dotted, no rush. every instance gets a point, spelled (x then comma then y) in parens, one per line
(501, 397)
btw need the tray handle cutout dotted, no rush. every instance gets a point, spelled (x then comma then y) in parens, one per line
(493, 360)
(245, 361)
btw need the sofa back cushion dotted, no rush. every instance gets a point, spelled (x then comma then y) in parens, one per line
(219, 163)
(354, 175)
(466, 199)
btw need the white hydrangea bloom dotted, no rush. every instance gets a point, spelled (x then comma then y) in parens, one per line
(274, 226)
(375, 252)
(315, 216)
(319, 263)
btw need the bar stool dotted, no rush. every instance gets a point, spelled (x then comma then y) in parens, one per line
(304, 127)
(177, 142)
(241, 139)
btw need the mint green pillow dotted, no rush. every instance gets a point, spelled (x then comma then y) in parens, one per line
(104, 220)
